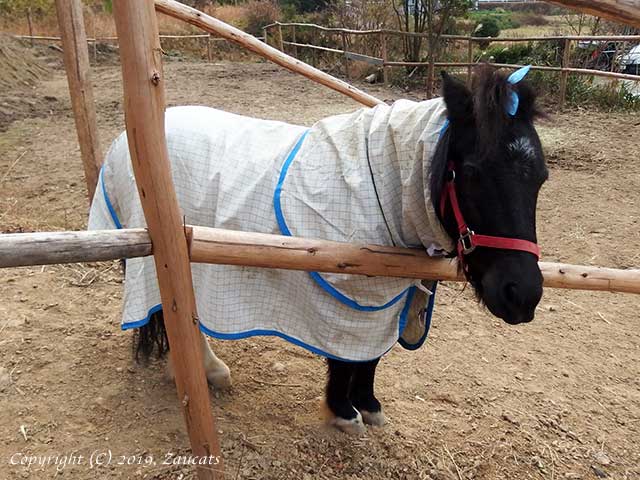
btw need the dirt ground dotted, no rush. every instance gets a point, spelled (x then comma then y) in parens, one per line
(555, 399)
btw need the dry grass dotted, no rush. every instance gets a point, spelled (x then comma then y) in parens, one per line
(102, 24)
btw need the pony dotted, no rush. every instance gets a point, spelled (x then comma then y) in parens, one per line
(485, 176)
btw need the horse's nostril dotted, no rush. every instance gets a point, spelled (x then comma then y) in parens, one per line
(511, 293)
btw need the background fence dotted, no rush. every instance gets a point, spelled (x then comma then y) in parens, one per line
(378, 47)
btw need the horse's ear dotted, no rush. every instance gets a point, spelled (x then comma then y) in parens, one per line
(457, 98)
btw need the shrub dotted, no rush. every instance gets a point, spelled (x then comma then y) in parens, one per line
(261, 13)
(535, 53)
(488, 27)
(615, 96)
(503, 19)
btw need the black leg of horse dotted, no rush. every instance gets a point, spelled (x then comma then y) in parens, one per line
(345, 417)
(362, 394)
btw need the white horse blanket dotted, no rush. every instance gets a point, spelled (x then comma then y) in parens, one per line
(361, 177)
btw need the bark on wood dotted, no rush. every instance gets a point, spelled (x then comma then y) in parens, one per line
(228, 247)
(144, 104)
(76, 62)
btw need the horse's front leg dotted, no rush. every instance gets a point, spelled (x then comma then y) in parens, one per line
(341, 413)
(362, 393)
(218, 374)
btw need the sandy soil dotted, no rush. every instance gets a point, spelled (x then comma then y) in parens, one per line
(556, 399)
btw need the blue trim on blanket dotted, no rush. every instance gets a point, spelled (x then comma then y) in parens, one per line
(272, 333)
(445, 125)
(284, 229)
(145, 320)
(428, 315)
(112, 211)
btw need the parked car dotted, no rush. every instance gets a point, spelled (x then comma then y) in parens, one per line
(630, 62)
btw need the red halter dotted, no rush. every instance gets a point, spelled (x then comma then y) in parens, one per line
(469, 240)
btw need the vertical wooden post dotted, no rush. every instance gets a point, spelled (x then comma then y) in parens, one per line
(265, 35)
(76, 62)
(280, 39)
(314, 52)
(209, 56)
(293, 39)
(144, 105)
(95, 37)
(469, 60)
(430, 75)
(564, 76)
(30, 24)
(344, 58)
(385, 58)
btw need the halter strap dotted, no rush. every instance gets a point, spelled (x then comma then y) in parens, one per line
(468, 239)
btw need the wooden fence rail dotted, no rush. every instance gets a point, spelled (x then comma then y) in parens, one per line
(564, 69)
(229, 247)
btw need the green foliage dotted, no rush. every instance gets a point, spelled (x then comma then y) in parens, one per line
(488, 27)
(581, 91)
(501, 18)
(20, 7)
(534, 53)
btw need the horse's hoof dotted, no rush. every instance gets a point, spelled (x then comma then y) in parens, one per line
(377, 419)
(220, 379)
(353, 426)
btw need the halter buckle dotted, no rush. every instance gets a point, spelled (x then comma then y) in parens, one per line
(466, 241)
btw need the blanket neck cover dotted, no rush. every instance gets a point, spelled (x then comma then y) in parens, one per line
(361, 177)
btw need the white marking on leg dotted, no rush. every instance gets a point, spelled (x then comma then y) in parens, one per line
(355, 426)
(218, 374)
(377, 419)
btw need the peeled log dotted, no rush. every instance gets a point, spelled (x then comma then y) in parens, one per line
(230, 247)
(623, 11)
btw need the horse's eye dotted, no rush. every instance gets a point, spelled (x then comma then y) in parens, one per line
(470, 170)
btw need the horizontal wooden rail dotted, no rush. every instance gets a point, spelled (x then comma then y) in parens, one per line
(613, 38)
(49, 248)
(580, 71)
(113, 39)
(314, 47)
(228, 247)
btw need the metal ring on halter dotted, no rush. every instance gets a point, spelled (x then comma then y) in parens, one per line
(466, 240)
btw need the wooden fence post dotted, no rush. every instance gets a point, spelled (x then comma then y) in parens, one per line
(265, 34)
(344, 58)
(564, 75)
(293, 39)
(431, 68)
(385, 58)
(95, 36)
(469, 60)
(280, 39)
(30, 24)
(144, 105)
(209, 55)
(76, 62)
(314, 52)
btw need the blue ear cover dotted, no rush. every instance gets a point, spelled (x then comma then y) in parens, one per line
(514, 78)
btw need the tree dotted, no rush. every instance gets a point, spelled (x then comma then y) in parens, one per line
(305, 6)
(425, 16)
